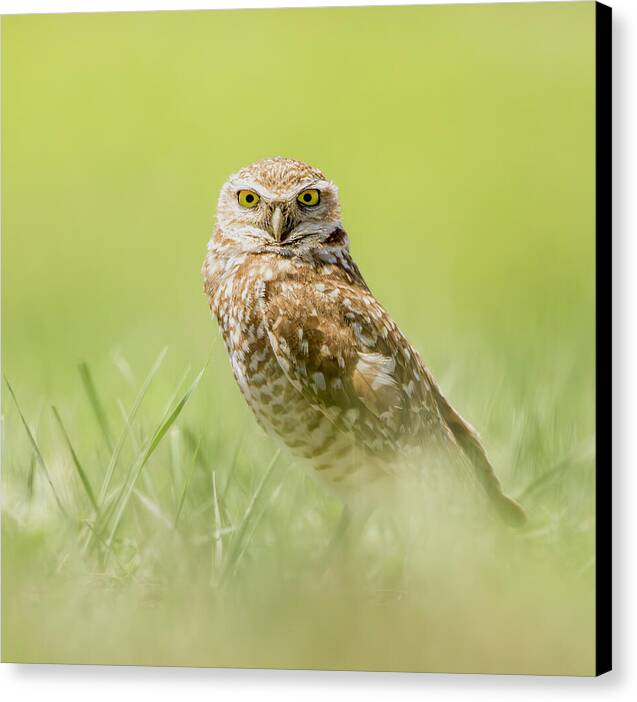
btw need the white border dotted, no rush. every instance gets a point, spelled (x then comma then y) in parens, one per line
(68, 683)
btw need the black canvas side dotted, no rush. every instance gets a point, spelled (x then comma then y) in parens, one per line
(603, 315)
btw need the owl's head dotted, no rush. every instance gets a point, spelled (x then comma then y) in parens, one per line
(278, 202)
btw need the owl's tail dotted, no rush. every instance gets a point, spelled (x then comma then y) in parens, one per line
(466, 436)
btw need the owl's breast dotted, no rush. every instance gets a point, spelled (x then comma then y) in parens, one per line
(237, 302)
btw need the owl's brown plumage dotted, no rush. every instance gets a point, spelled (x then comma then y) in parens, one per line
(318, 359)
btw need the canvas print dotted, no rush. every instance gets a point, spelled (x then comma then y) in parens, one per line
(299, 338)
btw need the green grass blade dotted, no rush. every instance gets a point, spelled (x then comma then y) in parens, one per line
(110, 470)
(237, 548)
(76, 461)
(153, 508)
(218, 558)
(169, 421)
(31, 474)
(99, 539)
(193, 466)
(36, 448)
(233, 463)
(172, 400)
(107, 510)
(159, 434)
(96, 404)
(255, 525)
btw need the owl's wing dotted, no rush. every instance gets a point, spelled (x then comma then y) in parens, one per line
(343, 352)
(468, 439)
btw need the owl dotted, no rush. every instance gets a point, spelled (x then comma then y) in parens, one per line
(320, 362)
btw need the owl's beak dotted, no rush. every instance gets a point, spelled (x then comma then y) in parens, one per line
(277, 224)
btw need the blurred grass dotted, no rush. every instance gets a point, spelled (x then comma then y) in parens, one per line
(461, 138)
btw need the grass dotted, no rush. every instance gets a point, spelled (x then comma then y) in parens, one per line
(172, 544)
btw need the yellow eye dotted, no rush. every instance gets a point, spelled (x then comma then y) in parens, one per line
(309, 198)
(248, 198)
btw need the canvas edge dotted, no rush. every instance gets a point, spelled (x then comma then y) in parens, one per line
(603, 338)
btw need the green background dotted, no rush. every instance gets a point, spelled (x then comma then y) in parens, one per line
(462, 141)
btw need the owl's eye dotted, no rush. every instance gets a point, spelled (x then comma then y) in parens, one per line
(309, 197)
(248, 198)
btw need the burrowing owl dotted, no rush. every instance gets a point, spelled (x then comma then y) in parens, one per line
(318, 359)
